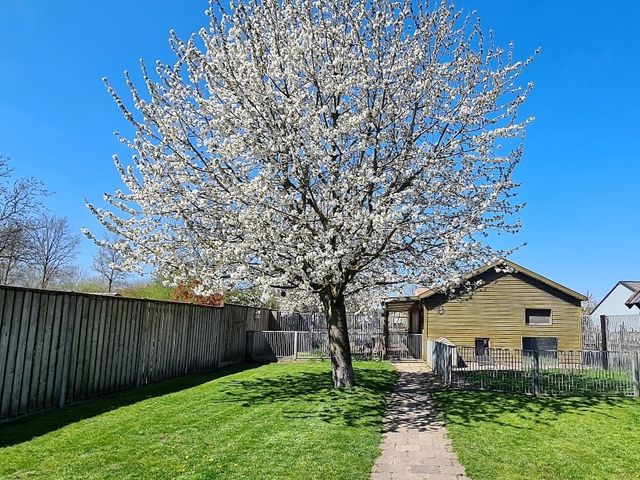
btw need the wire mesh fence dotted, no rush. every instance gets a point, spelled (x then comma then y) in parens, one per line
(545, 372)
(269, 345)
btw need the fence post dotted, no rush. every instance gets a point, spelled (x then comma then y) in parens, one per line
(250, 348)
(295, 345)
(536, 372)
(450, 352)
(603, 337)
(385, 333)
(635, 373)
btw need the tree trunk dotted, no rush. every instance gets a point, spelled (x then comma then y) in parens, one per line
(339, 346)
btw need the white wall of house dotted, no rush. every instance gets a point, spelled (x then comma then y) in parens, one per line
(613, 304)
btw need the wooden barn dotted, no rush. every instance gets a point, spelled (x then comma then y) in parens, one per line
(512, 308)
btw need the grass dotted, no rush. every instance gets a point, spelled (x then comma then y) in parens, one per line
(276, 421)
(510, 436)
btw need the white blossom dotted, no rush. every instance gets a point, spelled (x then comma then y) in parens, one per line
(331, 148)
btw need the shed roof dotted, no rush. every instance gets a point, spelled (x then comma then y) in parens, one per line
(405, 303)
(518, 268)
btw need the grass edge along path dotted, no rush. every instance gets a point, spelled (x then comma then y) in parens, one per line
(275, 421)
(514, 436)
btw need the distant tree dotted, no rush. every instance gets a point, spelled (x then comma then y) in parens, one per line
(327, 147)
(20, 200)
(589, 304)
(54, 248)
(107, 262)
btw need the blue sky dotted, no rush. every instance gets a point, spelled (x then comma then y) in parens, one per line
(580, 173)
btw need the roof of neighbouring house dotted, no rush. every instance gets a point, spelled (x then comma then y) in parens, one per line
(632, 285)
(634, 299)
(426, 293)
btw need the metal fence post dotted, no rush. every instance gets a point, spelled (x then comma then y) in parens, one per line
(536, 373)
(603, 337)
(295, 345)
(448, 365)
(385, 334)
(635, 373)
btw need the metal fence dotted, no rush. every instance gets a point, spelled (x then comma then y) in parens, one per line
(269, 345)
(534, 372)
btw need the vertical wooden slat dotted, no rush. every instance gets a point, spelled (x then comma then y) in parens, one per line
(109, 354)
(84, 346)
(5, 330)
(62, 315)
(143, 340)
(29, 353)
(70, 309)
(74, 348)
(12, 348)
(46, 351)
(39, 348)
(120, 342)
(96, 358)
(22, 347)
(90, 348)
(134, 309)
(53, 350)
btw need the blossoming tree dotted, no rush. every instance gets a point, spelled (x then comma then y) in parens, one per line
(326, 148)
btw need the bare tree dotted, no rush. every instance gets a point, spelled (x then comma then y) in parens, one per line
(54, 247)
(19, 201)
(589, 304)
(106, 262)
(14, 253)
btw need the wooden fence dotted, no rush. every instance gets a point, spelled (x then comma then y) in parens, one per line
(535, 372)
(61, 347)
(316, 322)
(611, 332)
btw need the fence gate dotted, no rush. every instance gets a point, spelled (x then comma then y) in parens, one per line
(405, 347)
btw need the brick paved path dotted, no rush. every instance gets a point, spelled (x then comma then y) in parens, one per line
(415, 446)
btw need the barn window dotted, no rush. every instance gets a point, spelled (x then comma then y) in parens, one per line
(537, 316)
(540, 344)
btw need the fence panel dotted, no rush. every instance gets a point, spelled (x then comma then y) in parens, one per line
(271, 345)
(621, 333)
(536, 372)
(404, 346)
(61, 347)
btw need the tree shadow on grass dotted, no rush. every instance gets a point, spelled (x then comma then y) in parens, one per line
(26, 428)
(311, 395)
(468, 406)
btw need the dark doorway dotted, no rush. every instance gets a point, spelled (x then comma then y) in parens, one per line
(482, 347)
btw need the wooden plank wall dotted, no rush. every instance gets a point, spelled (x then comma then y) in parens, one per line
(61, 347)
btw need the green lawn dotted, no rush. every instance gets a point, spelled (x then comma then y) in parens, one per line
(510, 436)
(277, 421)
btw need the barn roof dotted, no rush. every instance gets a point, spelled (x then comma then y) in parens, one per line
(404, 303)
